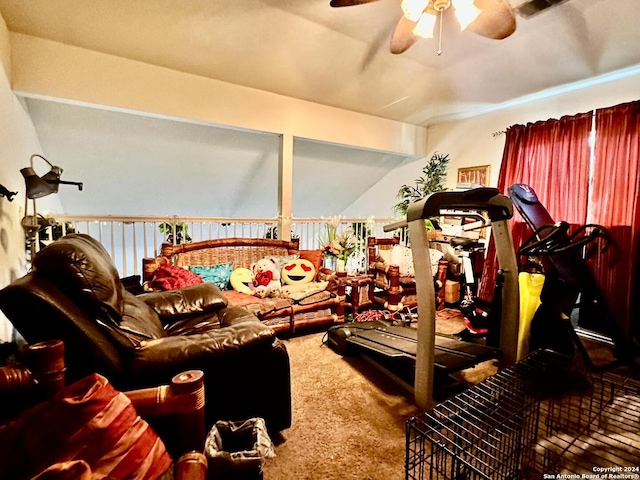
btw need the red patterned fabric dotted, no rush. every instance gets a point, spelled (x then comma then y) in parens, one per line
(89, 421)
(171, 277)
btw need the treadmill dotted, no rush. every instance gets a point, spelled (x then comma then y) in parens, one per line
(418, 357)
(393, 350)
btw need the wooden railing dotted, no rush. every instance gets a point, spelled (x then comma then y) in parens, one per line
(130, 239)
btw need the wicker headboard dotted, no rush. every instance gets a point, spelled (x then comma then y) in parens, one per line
(241, 251)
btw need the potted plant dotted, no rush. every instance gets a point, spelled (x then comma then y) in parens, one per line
(175, 232)
(432, 181)
(272, 233)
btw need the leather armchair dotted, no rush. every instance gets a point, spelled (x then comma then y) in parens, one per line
(73, 293)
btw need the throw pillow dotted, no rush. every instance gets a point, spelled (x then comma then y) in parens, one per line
(384, 256)
(219, 275)
(242, 281)
(170, 277)
(298, 271)
(402, 257)
(89, 421)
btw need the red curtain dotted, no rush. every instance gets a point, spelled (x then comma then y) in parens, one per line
(614, 204)
(552, 157)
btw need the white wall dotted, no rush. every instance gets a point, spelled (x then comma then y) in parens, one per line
(51, 73)
(380, 199)
(471, 141)
(43, 68)
(18, 141)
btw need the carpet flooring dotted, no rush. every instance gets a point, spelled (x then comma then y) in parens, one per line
(348, 418)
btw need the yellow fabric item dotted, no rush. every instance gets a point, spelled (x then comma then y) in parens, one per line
(530, 289)
(241, 280)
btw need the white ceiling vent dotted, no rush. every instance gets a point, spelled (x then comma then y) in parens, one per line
(529, 8)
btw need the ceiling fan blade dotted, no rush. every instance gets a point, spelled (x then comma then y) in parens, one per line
(497, 20)
(349, 3)
(403, 36)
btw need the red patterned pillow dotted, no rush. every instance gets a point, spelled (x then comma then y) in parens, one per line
(170, 277)
(89, 421)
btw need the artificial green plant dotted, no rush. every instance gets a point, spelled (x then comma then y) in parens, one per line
(431, 181)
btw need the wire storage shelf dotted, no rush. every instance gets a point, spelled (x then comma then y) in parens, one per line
(541, 418)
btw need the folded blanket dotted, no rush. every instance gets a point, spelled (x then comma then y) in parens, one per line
(302, 290)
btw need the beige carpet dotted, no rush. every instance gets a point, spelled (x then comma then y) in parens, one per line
(348, 418)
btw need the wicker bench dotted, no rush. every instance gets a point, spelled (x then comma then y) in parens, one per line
(283, 315)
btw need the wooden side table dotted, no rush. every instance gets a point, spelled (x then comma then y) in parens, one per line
(359, 294)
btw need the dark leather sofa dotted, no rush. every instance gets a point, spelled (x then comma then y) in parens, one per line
(73, 293)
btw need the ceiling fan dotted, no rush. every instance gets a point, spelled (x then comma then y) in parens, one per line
(488, 18)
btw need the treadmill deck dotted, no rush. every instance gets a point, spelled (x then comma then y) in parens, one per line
(395, 342)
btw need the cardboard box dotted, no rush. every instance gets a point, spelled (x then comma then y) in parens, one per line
(451, 291)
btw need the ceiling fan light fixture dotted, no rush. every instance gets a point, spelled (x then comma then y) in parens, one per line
(425, 26)
(412, 9)
(466, 12)
(440, 5)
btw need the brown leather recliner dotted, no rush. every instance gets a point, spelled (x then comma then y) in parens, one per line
(73, 293)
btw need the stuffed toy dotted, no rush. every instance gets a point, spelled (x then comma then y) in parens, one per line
(266, 278)
(242, 281)
(298, 271)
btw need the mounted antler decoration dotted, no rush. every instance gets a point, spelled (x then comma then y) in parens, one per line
(488, 18)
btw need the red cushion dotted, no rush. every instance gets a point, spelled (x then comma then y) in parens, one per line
(89, 421)
(171, 277)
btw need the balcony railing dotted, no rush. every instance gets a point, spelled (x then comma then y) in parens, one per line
(130, 239)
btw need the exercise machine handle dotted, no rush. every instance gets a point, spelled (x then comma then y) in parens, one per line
(389, 227)
(557, 241)
(535, 245)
